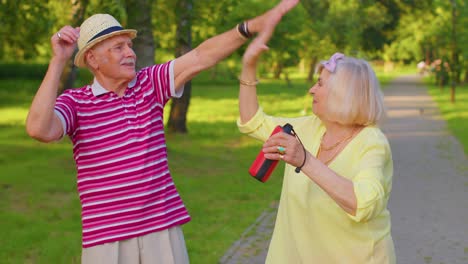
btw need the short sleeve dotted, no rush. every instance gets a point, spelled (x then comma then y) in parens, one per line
(162, 78)
(66, 111)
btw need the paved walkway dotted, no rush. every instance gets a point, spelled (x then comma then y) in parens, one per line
(429, 200)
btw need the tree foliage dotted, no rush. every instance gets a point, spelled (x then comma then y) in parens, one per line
(24, 25)
(139, 18)
(391, 30)
(177, 122)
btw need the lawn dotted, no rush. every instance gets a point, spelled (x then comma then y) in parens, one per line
(456, 113)
(39, 206)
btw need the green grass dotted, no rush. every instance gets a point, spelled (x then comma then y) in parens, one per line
(38, 200)
(456, 113)
(39, 206)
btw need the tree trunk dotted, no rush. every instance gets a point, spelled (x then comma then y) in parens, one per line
(454, 66)
(70, 72)
(428, 56)
(313, 63)
(139, 18)
(177, 122)
(288, 81)
(278, 70)
(465, 79)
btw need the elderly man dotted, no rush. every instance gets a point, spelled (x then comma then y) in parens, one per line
(131, 211)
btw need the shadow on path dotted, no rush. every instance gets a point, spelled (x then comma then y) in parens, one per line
(429, 200)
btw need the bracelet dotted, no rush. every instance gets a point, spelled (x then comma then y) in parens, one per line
(246, 27)
(248, 83)
(243, 29)
(298, 169)
(240, 34)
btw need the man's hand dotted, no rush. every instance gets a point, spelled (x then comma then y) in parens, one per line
(211, 51)
(64, 42)
(265, 25)
(269, 20)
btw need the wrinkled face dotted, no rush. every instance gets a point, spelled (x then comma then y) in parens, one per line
(320, 94)
(114, 58)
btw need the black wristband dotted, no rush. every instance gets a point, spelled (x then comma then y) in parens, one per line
(244, 30)
(246, 27)
(298, 169)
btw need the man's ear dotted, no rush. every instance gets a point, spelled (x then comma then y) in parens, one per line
(91, 59)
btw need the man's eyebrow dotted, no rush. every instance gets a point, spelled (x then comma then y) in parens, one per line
(120, 42)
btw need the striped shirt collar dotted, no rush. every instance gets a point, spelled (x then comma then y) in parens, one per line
(98, 90)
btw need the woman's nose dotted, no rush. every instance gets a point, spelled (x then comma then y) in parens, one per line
(312, 89)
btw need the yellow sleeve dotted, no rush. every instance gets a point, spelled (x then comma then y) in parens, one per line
(261, 125)
(372, 184)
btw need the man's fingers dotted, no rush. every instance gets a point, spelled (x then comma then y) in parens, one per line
(69, 34)
(287, 5)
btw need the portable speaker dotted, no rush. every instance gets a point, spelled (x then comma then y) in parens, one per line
(262, 168)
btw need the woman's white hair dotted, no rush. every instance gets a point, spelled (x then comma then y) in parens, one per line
(354, 95)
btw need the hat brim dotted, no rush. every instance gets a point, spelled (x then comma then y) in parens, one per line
(80, 58)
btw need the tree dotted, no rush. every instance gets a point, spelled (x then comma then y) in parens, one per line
(463, 37)
(23, 26)
(347, 22)
(455, 62)
(436, 31)
(354, 27)
(139, 17)
(70, 72)
(179, 107)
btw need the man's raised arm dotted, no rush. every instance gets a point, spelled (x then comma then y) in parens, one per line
(214, 49)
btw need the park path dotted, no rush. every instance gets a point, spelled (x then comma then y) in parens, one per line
(429, 200)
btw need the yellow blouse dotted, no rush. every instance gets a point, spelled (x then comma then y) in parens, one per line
(310, 227)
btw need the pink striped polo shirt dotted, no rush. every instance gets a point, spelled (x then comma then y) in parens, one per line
(124, 183)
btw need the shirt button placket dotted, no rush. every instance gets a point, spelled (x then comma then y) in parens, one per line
(124, 105)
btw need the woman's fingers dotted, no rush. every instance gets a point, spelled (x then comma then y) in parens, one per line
(285, 147)
(254, 50)
(278, 138)
(286, 5)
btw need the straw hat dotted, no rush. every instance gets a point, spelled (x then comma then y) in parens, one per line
(96, 29)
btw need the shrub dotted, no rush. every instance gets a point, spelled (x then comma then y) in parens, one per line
(22, 71)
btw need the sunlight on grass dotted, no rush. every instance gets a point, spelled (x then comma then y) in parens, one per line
(13, 115)
(222, 110)
(456, 113)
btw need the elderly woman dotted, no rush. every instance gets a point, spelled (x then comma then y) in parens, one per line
(338, 175)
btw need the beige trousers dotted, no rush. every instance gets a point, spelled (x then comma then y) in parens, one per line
(164, 247)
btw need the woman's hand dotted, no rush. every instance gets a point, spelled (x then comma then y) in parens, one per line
(64, 42)
(253, 52)
(286, 147)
